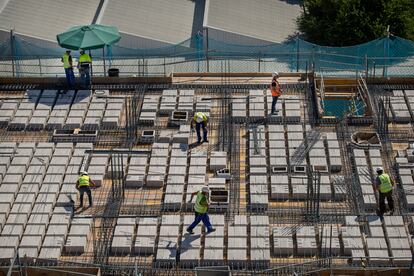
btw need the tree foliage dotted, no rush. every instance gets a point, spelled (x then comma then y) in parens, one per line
(350, 22)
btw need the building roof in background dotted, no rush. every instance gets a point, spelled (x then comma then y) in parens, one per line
(270, 20)
(168, 21)
(44, 19)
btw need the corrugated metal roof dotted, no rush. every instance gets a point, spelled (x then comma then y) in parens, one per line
(46, 18)
(271, 20)
(169, 21)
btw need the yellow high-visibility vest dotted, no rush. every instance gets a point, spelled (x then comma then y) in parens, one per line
(200, 114)
(85, 58)
(198, 207)
(385, 185)
(65, 59)
(83, 181)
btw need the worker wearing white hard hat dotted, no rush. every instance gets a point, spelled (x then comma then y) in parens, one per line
(200, 119)
(200, 209)
(83, 185)
(384, 185)
(276, 91)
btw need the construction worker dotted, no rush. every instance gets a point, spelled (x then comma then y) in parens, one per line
(84, 66)
(68, 65)
(200, 119)
(276, 91)
(83, 185)
(384, 184)
(200, 209)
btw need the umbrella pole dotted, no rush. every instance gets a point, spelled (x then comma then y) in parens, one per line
(91, 63)
(104, 62)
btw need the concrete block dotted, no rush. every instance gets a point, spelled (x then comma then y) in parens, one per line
(59, 219)
(283, 246)
(306, 246)
(42, 208)
(124, 230)
(9, 242)
(144, 245)
(35, 230)
(7, 188)
(50, 253)
(282, 231)
(237, 231)
(376, 243)
(39, 219)
(76, 244)
(17, 219)
(31, 242)
(401, 257)
(399, 243)
(146, 230)
(378, 257)
(351, 231)
(393, 221)
(236, 255)
(305, 231)
(258, 170)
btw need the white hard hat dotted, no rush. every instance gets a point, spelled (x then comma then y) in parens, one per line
(275, 74)
(84, 173)
(379, 169)
(199, 119)
(205, 189)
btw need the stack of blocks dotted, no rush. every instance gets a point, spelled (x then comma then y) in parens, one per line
(238, 111)
(197, 172)
(60, 110)
(136, 171)
(292, 109)
(334, 152)
(95, 114)
(283, 241)
(149, 110)
(168, 102)
(214, 242)
(24, 112)
(364, 176)
(78, 110)
(168, 237)
(97, 167)
(398, 240)
(352, 237)
(186, 100)
(176, 178)
(113, 111)
(190, 245)
(295, 139)
(203, 104)
(399, 109)
(157, 165)
(78, 237)
(376, 242)
(43, 109)
(123, 234)
(407, 182)
(237, 240)
(259, 239)
(8, 109)
(256, 104)
(145, 236)
(277, 149)
(305, 240)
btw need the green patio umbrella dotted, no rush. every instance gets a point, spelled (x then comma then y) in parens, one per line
(88, 37)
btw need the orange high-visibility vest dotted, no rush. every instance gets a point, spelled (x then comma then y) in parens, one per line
(275, 89)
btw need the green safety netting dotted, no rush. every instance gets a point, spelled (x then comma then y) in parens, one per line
(295, 53)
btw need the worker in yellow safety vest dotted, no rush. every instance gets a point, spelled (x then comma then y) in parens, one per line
(84, 66)
(276, 91)
(384, 184)
(68, 66)
(83, 185)
(200, 208)
(200, 119)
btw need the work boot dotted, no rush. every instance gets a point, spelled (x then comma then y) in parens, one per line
(190, 231)
(205, 141)
(211, 231)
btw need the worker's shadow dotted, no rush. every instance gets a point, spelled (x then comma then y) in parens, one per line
(193, 145)
(186, 242)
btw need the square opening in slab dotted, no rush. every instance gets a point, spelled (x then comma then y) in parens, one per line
(219, 195)
(320, 168)
(278, 169)
(180, 115)
(148, 133)
(299, 169)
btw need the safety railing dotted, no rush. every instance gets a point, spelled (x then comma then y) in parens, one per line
(330, 64)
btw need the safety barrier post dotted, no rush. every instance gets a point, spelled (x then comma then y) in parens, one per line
(40, 66)
(165, 69)
(297, 52)
(104, 63)
(259, 63)
(366, 67)
(12, 51)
